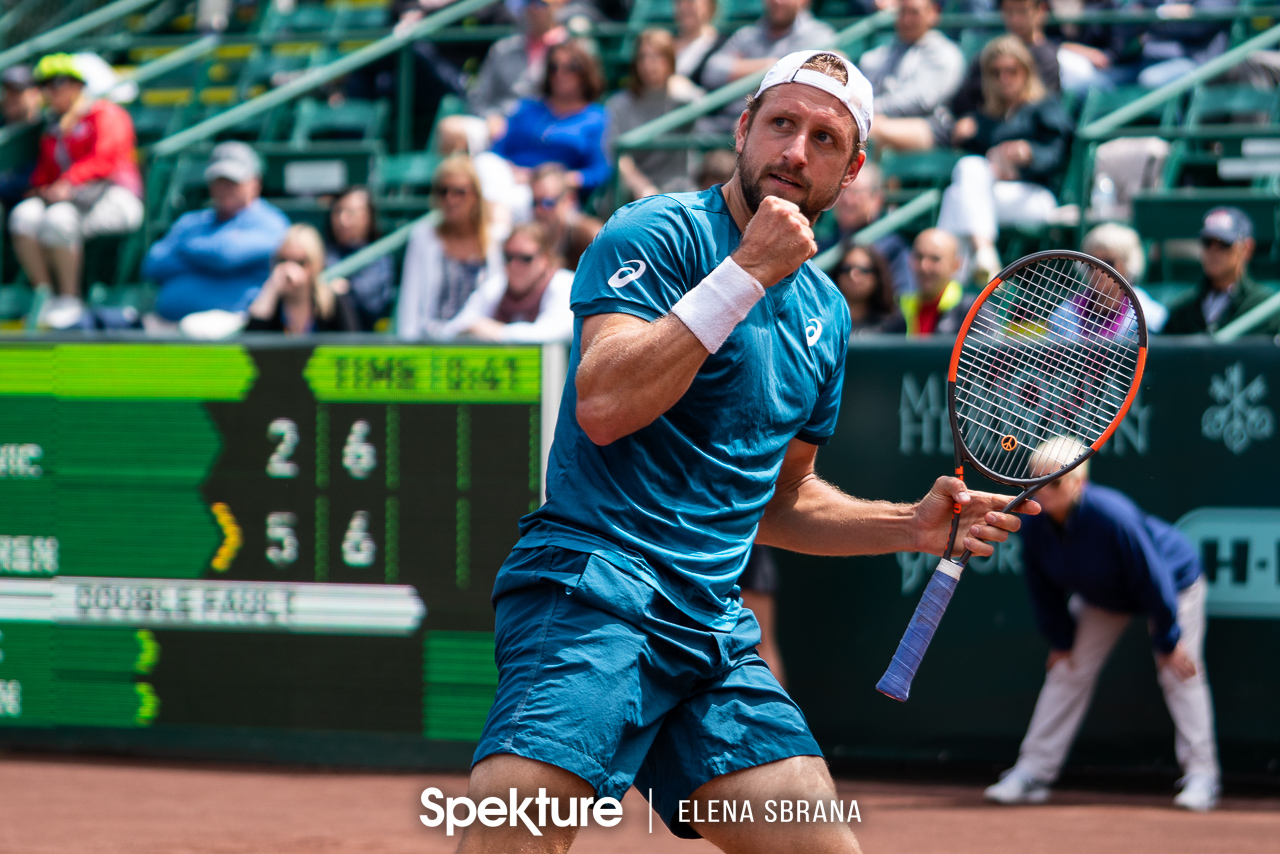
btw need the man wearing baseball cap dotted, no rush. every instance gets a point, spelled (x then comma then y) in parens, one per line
(217, 258)
(706, 368)
(85, 184)
(1226, 291)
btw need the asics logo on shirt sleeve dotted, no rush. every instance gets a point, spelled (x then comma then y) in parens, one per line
(813, 331)
(628, 272)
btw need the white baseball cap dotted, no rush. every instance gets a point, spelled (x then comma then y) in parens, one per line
(856, 94)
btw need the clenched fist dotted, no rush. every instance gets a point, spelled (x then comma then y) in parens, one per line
(777, 241)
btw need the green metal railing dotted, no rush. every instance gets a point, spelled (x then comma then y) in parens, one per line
(56, 37)
(892, 221)
(357, 261)
(317, 77)
(1250, 320)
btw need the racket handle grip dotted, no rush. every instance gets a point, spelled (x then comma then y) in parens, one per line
(896, 682)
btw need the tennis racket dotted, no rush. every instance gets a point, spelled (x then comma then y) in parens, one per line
(1044, 368)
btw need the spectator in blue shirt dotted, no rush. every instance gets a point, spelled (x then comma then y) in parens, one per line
(1093, 559)
(567, 126)
(219, 257)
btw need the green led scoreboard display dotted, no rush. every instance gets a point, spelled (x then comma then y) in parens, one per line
(274, 538)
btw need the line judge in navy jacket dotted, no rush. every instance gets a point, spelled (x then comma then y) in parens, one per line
(1093, 560)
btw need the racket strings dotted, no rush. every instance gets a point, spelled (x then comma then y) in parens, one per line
(1052, 353)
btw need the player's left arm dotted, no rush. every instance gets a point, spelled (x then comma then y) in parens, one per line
(809, 515)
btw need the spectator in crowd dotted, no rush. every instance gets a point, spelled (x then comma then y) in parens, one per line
(1092, 560)
(20, 104)
(913, 77)
(1226, 291)
(294, 300)
(85, 184)
(353, 225)
(653, 90)
(528, 302)
(863, 277)
(514, 67)
(939, 303)
(787, 26)
(1121, 247)
(567, 126)
(555, 205)
(20, 100)
(717, 167)
(508, 199)
(448, 257)
(861, 204)
(1175, 46)
(1089, 51)
(1018, 144)
(218, 258)
(1024, 19)
(696, 37)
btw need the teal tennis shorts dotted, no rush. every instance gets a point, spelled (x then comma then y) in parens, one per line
(598, 674)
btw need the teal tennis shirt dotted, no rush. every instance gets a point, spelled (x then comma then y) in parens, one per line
(677, 503)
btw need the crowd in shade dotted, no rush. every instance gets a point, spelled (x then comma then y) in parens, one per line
(529, 166)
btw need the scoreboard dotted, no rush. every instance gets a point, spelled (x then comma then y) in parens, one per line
(268, 537)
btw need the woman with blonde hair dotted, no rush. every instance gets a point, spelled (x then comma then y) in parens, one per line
(294, 300)
(1018, 142)
(449, 254)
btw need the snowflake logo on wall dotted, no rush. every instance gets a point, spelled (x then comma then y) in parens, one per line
(1239, 420)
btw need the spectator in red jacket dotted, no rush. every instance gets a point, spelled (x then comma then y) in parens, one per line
(86, 183)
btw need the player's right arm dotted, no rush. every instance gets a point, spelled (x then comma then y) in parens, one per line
(632, 370)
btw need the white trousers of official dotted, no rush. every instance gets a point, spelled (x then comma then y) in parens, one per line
(1068, 689)
(976, 204)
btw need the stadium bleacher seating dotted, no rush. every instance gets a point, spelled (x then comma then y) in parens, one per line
(314, 145)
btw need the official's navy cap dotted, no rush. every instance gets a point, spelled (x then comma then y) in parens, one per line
(1227, 224)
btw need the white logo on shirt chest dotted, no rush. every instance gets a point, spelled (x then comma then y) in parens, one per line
(813, 331)
(627, 273)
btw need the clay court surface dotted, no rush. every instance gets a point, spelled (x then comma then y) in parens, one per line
(61, 805)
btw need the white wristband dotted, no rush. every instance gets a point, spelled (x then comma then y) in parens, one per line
(718, 303)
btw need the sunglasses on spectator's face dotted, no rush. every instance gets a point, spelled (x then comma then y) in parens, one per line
(846, 269)
(547, 202)
(456, 192)
(571, 67)
(1214, 243)
(302, 262)
(513, 257)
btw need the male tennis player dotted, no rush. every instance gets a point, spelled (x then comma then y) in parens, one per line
(706, 369)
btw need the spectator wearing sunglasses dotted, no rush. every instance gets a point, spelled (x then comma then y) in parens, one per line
(864, 279)
(1226, 291)
(566, 126)
(449, 254)
(528, 302)
(555, 206)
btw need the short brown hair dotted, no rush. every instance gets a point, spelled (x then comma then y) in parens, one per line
(590, 77)
(829, 64)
